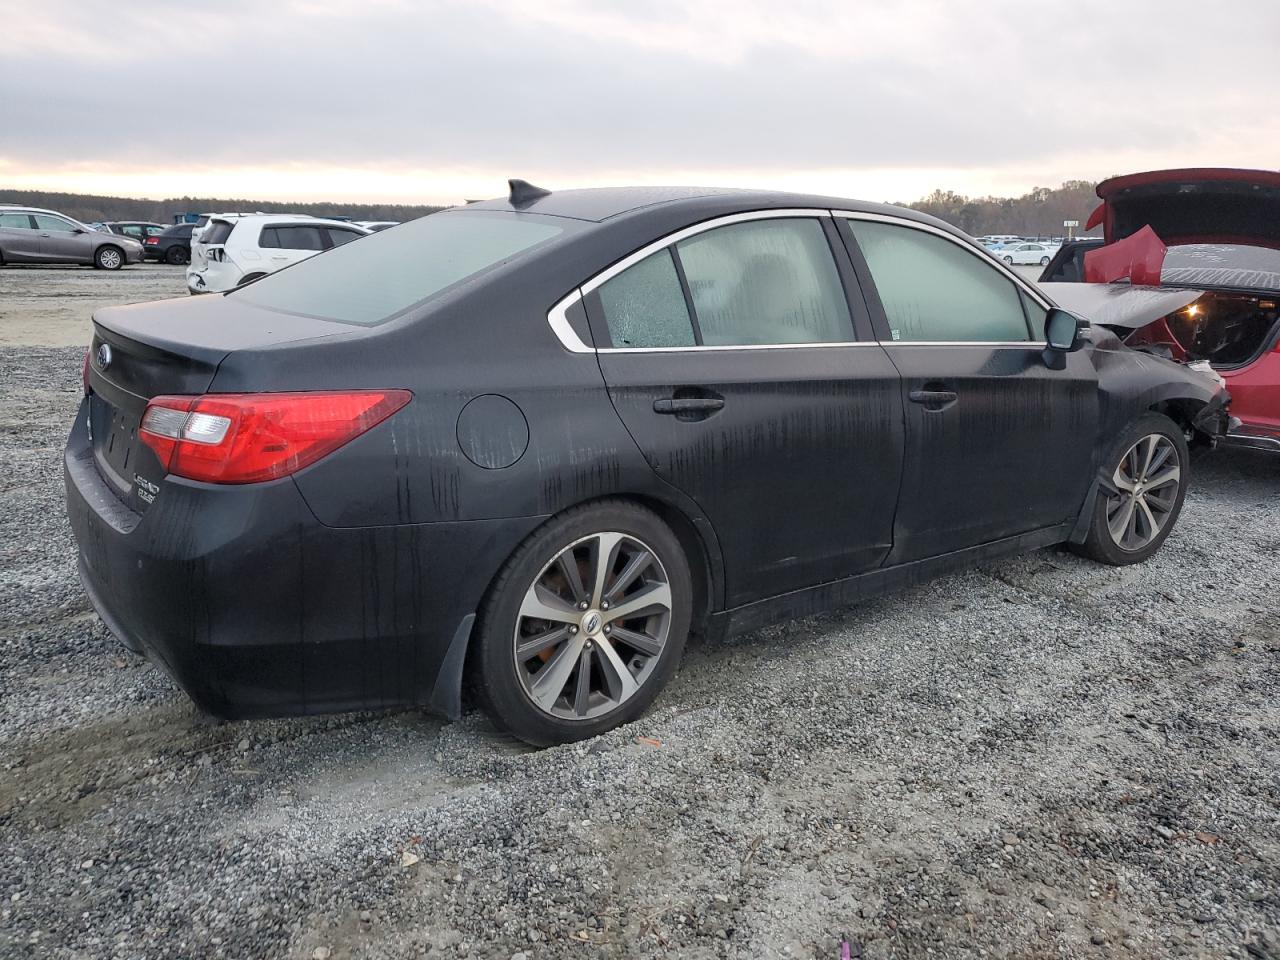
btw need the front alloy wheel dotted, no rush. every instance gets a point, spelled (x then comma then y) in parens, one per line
(1146, 485)
(592, 626)
(109, 258)
(1140, 492)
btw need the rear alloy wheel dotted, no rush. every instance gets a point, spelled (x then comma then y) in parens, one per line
(108, 258)
(1140, 499)
(585, 624)
(1044, 261)
(177, 256)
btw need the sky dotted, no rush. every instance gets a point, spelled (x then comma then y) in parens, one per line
(428, 101)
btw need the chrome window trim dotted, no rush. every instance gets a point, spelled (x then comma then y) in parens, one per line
(740, 346)
(558, 320)
(1026, 344)
(1000, 265)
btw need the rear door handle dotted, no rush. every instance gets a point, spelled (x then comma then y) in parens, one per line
(694, 405)
(933, 399)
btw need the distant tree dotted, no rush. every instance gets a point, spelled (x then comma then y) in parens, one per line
(1039, 212)
(89, 209)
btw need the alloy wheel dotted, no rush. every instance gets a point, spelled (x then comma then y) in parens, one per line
(592, 626)
(1146, 483)
(109, 259)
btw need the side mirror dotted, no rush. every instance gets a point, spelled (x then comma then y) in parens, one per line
(1063, 334)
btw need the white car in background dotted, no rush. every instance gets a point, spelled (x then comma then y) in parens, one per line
(375, 226)
(1022, 253)
(238, 249)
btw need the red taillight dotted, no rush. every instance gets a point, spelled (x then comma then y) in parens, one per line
(250, 437)
(84, 371)
(152, 241)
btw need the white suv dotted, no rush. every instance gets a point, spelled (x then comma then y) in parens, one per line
(238, 249)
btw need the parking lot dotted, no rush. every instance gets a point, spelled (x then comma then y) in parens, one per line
(1042, 757)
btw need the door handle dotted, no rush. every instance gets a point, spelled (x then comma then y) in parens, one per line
(694, 405)
(933, 399)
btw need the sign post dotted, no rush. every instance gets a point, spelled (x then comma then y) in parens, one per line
(1071, 225)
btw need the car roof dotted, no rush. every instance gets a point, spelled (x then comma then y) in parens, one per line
(266, 219)
(599, 204)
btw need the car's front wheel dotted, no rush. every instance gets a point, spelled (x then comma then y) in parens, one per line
(108, 258)
(1009, 260)
(1141, 494)
(584, 625)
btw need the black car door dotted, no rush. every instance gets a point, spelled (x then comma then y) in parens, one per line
(730, 355)
(998, 444)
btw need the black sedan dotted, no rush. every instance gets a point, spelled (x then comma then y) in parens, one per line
(172, 245)
(534, 443)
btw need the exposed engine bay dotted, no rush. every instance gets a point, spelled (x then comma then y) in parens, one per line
(1226, 329)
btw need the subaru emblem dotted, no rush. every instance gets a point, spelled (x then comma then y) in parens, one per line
(104, 356)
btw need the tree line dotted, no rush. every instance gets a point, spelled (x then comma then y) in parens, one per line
(92, 209)
(1039, 213)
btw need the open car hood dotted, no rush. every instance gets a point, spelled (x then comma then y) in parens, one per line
(1119, 304)
(1203, 205)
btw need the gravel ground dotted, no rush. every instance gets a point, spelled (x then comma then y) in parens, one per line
(1040, 758)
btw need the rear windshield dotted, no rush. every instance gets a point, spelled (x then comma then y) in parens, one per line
(389, 272)
(1222, 265)
(216, 232)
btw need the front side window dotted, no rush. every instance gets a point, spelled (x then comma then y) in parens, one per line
(765, 282)
(15, 221)
(46, 222)
(934, 289)
(390, 272)
(644, 306)
(338, 236)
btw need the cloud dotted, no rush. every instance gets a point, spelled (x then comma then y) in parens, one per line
(581, 92)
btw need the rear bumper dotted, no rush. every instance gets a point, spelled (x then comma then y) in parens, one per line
(257, 609)
(1254, 438)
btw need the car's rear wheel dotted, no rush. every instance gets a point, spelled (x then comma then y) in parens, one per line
(1142, 493)
(1044, 261)
(177, 256)
(1009, 260)
(108, 258)
(584, 625)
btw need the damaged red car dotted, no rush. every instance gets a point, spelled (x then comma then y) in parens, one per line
(1190, 270)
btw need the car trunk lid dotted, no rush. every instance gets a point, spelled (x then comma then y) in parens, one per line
(168, 347)
(1205, 205)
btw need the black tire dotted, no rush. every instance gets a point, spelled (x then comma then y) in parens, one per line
(250, 278)
(1101, 545)
(1044, 261)
(494, 673)
(108, 257)
(1009, 261)
(177, 256)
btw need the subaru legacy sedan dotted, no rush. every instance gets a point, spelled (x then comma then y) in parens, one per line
(527, 446)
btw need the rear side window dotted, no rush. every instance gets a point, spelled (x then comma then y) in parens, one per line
(934, 289)
(291, 238)
(217, 231)
(389, 272)
(15, 221)
(644, 306)
(130, 230)
(765, 282)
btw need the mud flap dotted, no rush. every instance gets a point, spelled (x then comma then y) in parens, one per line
(446, 695)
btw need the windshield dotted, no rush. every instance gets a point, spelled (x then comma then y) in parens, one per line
(386, 273)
